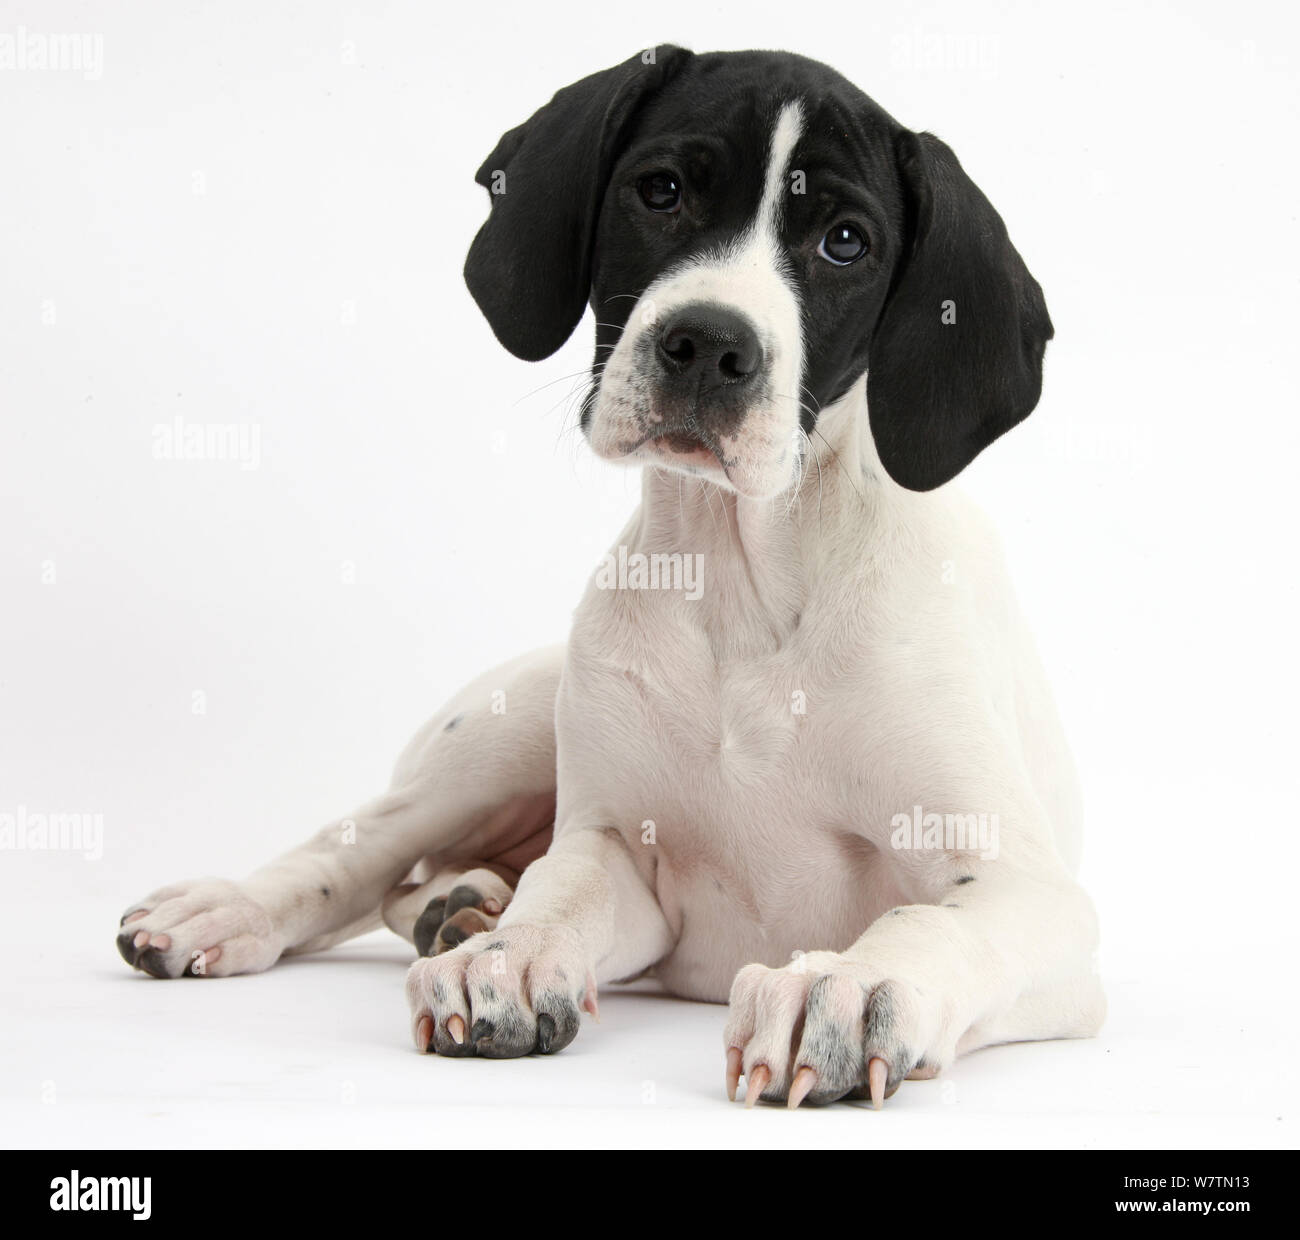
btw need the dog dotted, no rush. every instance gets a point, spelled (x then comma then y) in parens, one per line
(828, 786)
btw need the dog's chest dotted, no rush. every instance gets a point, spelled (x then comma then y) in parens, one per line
(731, 771)
(691, 717)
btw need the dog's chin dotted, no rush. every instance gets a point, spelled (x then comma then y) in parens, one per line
(624, 438)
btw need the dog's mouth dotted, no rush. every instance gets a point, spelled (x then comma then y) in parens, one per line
(684, 443)
(682, 448)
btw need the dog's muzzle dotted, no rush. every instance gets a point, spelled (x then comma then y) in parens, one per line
(703, 385)
(708, 362)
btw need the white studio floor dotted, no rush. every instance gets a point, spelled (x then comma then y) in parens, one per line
(315, 1054)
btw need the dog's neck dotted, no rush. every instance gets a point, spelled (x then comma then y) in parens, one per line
(766, 556)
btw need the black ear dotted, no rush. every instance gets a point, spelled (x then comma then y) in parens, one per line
(529, 268)
(956, 357)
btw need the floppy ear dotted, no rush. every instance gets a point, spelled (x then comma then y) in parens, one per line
(529, 268)
(956, 357)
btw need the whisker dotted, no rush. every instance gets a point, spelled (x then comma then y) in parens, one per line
(586, 370)
(840, 463)
(803, 405)
(706, 490)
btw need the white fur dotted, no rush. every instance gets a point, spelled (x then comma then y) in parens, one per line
(725, 773)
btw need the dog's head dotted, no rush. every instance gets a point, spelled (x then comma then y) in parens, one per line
(754, 234)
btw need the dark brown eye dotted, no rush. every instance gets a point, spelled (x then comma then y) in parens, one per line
(843, 245)
(660, 191)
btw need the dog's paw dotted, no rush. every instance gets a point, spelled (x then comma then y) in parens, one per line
(512, 991)
(825, 1028)
(206, 928)
(472, 906)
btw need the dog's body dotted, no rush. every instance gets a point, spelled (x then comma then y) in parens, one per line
(707, 780)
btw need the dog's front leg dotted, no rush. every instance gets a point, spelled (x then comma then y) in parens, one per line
(1003, 953)
(582, 914)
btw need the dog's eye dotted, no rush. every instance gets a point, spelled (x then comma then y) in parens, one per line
(843, 245)
(660, 191)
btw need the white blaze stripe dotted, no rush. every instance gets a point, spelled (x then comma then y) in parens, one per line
(751, 274)
(785, 135)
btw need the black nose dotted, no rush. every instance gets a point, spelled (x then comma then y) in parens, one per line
(710, 345)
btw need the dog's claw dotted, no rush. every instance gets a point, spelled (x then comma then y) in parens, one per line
(423, 1033)
(804, 1080)
(733, 1072)
(456, 1029)
(877, 1075)
(759, 1076)
(589, 1004)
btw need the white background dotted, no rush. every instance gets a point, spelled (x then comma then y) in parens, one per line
(257, 213)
